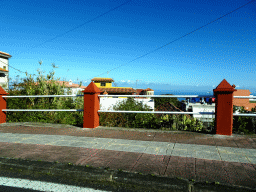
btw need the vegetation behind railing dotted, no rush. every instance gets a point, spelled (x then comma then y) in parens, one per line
(156, 121)
(244, 125)
(28, 87)
(151, 121)
(241, 124)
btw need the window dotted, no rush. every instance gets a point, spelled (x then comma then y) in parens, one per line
(102, 84)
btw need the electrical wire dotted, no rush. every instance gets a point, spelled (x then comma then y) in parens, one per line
(152, 50)
(80, 25)
(74, 29)
(176, 39)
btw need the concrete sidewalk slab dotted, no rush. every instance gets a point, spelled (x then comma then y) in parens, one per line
(137, 152)
(151, 147)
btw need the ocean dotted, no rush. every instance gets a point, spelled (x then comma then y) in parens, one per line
(161, 92)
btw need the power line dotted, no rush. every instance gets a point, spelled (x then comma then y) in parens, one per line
(80, 25)
(15, 69)
(177, 38)
(73, 29)
(150, 51)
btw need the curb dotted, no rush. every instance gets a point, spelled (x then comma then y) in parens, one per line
(104, 178)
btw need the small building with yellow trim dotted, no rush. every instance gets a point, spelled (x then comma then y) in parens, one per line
(105, 85)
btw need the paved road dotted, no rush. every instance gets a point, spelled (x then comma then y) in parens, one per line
(25, 185)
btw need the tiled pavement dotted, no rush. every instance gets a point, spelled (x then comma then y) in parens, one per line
(202, 157)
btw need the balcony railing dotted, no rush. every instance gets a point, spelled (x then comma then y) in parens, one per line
(223, 110)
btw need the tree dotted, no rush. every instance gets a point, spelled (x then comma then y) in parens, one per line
(244, 124)
(162, 100)
(135, 120)
(28, 87)
(146, 120)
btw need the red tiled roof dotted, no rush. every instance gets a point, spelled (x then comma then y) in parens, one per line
(6, 54)
(243, 102)
(242, 92)
(148, 89)
(66, 84)
(118, 90)
(141, 91)
(101, 79)
(1, 69)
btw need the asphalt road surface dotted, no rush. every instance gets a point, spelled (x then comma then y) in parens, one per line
(25, 185)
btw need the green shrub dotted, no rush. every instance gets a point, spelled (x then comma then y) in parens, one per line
(192, 124)
(147, 120)
(133, 120)
(28, 87)
(241, 124)
(162, 100)
(244, 124)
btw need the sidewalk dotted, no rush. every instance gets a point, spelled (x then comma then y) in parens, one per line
(229, 160)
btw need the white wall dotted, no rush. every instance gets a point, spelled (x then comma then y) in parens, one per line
(4, 80)
(203, 108)
(74, 92)
(254, 99)
(107, 103)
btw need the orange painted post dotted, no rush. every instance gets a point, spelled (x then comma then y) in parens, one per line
(91, 106)
(2, 105)
(224, 108)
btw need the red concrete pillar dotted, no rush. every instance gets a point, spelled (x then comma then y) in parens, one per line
(91, 106)
(224, 108)
(3, 105)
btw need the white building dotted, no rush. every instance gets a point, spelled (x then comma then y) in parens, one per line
(253, 99)
(201, 106)
(4, 70)
(198, 107)
(74, 88)
(108, 103)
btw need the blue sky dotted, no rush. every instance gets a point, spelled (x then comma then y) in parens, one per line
(224, 49)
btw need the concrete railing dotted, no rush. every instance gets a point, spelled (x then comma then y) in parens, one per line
(223, 106)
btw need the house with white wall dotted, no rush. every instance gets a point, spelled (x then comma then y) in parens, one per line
(74, 88)
(107, 103)
(4, 70)
(105, 85)
(243, 102)
(202, 107)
